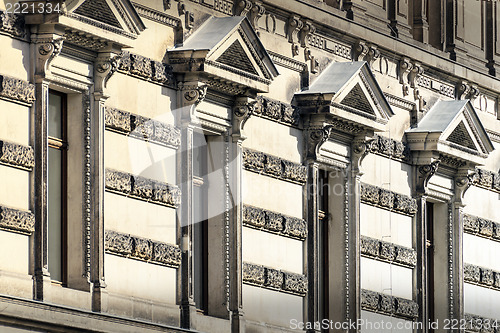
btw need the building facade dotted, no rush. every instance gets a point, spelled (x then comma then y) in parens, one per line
(249, 166)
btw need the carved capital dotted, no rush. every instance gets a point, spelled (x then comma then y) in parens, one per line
(46, 50)
(424, 174)
(106, 65)
(242, 110)
(463, 180)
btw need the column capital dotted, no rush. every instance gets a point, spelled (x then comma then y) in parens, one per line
(47, 48)
(190, 95)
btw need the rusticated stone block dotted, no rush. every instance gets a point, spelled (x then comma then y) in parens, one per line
(12, 24)
(386, 199)
(166, 134)
(471, 224)
(387, 304)
(142, 127)
(166, 254)
(295, 283)
(400, 150)
(254, 216)
(161, 72)
(140, 66)
(290, 115)
(274, 221)
(273, 166)
(405, 204)
(117, 242)
(294, 171)
(118, 120)
(496, 276)
(387, 251)
(385, 145)
(370, 246)
(274, 278)
(369, 299)
(485, 227)
(484, 178)
(295, 227)
(143, 187)
(472, 273)
(17, 89)
(118, 181)
(487, 277)
(254, 274)
(167, 194)
(17, 220)
(254, 160)
(406, 308)
(17, 155)
(496, 230)
(406, 256)
(272, 109)
(143, 248)
(370, 194)
(125, 61)
(496, 182)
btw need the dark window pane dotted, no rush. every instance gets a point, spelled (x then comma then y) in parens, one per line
(54, 211)
(55, 116)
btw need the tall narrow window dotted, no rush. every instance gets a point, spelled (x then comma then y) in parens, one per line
(323, 244)
(56, 201)
(200, 232)
(429, 245)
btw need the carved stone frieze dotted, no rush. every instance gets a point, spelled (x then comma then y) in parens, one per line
(142, 127)
(274, 279)
(17, 155)
(12, 24)
(253, 274)
(474, 323)
(389, 147)
(295, 283)
(273, 166)
(389, 252)
(17, 90)
(481, 276)
(276, 111)
(146, 68)
(274, 222)
(377, 196)
(396, 306)
(481, 227)
(143, 188)
(142, 249)
(17, 220)
(484, 178)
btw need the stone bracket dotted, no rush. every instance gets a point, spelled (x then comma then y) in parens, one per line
(424, 174)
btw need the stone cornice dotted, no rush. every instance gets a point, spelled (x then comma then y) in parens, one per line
(16, 155)
(143, 249)
(16, 220)
(388, 252)
(277, 111)
(157, 16)
(138, 187)
(379, 197)
(273, 166)
(17, 90)
(487, 180)
(389, 305)
(146, 69)
(481, 276)
(274, 279)
(481, 227)
(274, 222)
(142, 128)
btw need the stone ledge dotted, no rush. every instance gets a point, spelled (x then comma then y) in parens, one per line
(389, 148)
(146, 69)
(273, 166)
(481, 276)
(476, 323)
(17, 155)
(389, 305)
(143, 188)
(274, 279)
(17, 90)
(276, 111)
(142, 128)
(16, 220)
(274, 222)
(399, 203)
(487, 180)
(478, 226)
(143, 249)
(388, 252)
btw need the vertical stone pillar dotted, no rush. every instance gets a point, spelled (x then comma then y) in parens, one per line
(190, 94)
(45, 47)
(420, 23)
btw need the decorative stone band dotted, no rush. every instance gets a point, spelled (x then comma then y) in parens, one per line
(143, 188)
(144, 249)
(273, 166)
(487, 179)
(142, 127)
(390, 305)
(146, 69)
(389, 252)
(481, 276)
(12, 24)
(276, 111)
(274, 222)
(481, 227)
(16, 155)
(16, 220)
(390, 148)
(400, 203)
(274, 279)
(476, 323)
(17, 90)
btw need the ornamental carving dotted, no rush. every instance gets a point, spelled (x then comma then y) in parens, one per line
(425, 172)
(294, 25)
(142, 249)
(12, 24)
(481, 227)
(389, 147)
(274, 222)
(143, 188)
(483, 178)
(366, 52)
(17, 155)
(388, 252)
(276, 111)
(274, 278)
(253, 274)
(379, 197)
(17, 220)
(481, 276)
(295, 283)
(474, 323)
(273, 166)
(397, 306)
(142, 127)
(271, 278)
(146, 68)
(17, 90)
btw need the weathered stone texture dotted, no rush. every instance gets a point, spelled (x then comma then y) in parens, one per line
(377, 196)
(17, 90)
(396, 306)
(389, 252)
(17, 155)
(146, 68)
(274, 166)
(12, 24)
(17, 220)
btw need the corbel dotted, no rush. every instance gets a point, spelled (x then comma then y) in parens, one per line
(372, 55)
(106, 65)
(359, 150)
(424, 174)
(306, 30)
(464, 178)
(405, 67)
(191, 95)
(462, 89)
(315, 138)
(243, 7)
(473, 92)
(47, 49)
(243, 108)
(293, 27)
(359, 51)
(415, 73)
(256, 13)
(314, 64)
(188, 15)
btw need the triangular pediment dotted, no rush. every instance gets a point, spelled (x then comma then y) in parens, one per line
(98, 10)
(451, 128)
(228, 50)
(348, 92)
